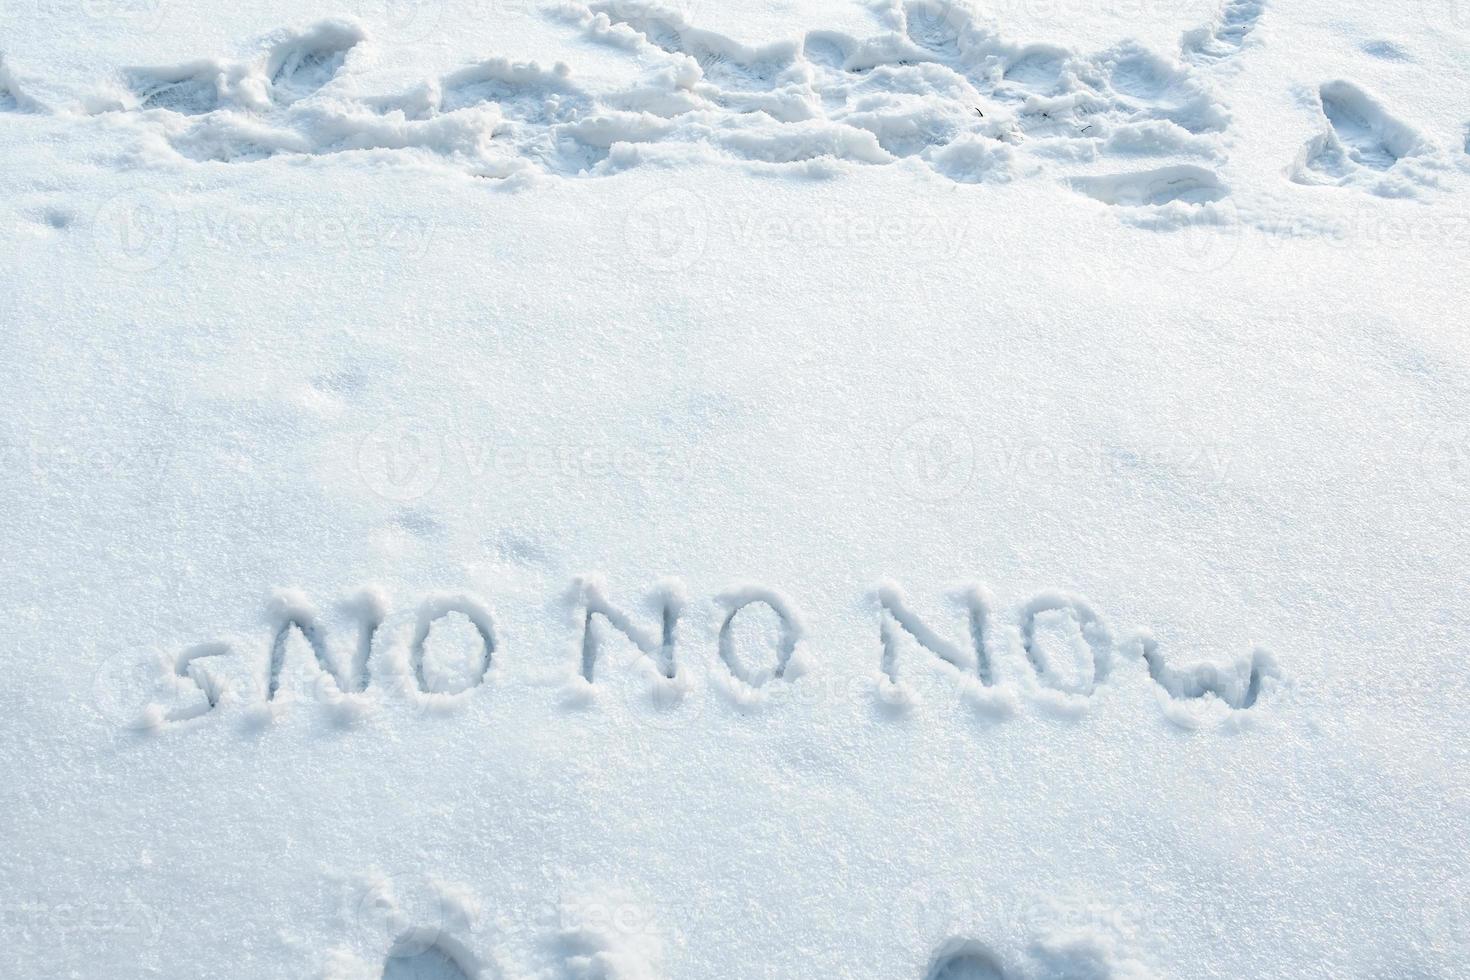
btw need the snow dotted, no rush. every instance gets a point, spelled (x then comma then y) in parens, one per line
(625, 491)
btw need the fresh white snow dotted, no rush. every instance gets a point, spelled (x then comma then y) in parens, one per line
(625, 490)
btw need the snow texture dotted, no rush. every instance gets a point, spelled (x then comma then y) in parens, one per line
(627, 489)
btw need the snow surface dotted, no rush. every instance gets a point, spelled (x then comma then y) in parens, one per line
(615, 490)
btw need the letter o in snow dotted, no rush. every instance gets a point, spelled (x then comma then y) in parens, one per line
(436, 610)
(790, 634)
(1090, 626)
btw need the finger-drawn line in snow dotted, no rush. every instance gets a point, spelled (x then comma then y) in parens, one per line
(1238, 688)
(973, 659)
(592, 605)
(788, 625)
(445, 609)
(1084, 621)
(1055, 645)
(990, 645)
(293, 615)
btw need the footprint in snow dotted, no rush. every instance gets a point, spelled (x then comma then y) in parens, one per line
(965, 961)
(429, 964)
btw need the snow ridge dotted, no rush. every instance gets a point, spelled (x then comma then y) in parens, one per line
(942, 89)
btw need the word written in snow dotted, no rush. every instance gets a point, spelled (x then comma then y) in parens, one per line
(345, 669)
